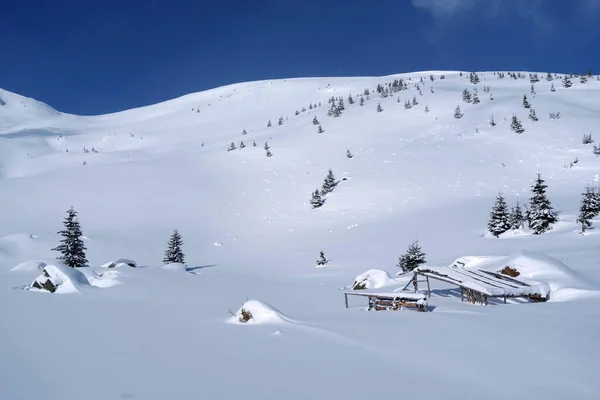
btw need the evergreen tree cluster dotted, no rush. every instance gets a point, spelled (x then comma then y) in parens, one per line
(590, 207)
(413, 258)
(587, 138)
(502, 220)
(516, 125)
(474, 78)
(317, 198)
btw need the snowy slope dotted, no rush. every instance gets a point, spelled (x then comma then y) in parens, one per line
(249, 233)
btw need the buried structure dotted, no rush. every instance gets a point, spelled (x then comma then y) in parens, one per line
(477, 285)
(391, 301)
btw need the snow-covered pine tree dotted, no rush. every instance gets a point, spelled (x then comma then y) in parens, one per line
(310, 106)
(426, 108)
(322, 260)
(329, 183)
(413, 257)
(348, 154)
(174, 254)
(566, 82)
(242, 145)
(280, 122)
(532, 90)
(350, 99)
(516, 125)
(532, 115)
(71, 245)
(244, 132)
(316, 200)
(414, 101)
(320, 129)
(466, 96)
(231, 147)
(525, 102)
(541, 215)
(267, 146)
(492, 122)
(516, 216)
(379, 108)
(596, 150)
(362, 101)
(269, 124)
(457, 113)
(254, 143)
(315, 121)
(499, 217)
(549, 77)
(297, 112)
(587, 138)
(407, 104)
(476, 99)
(588, 209)
(341, 106)
(552, 89)
(269, 154)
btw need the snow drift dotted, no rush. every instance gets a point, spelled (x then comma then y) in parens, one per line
(60, 279)
(258, 313)
(372, 279)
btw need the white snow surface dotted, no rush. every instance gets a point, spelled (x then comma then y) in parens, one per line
(249, 233)
(262, 313)
(374, 279)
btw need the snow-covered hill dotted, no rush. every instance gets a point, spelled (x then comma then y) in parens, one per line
(250, 233)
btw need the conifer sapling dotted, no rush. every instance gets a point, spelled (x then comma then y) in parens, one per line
(174, 254)
(71, 245)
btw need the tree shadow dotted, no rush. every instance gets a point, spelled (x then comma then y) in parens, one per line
(192, 269)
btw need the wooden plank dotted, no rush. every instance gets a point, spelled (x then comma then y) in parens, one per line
(346, 299)
(428, 288)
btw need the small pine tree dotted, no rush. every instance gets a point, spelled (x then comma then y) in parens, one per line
(329, 183)
(588, 209)
(244, 132)
(466, 96)
(587, 138)
(269, 124)
(322, 260)
(280, 122)
(297, 112)
(174, 254)
(348, 154)
(414, 101)
(316, 200)
(532, 115)
(426, 109)
(254, 143)
(407, 104)
(350, 99)
(315, 121)
(596, 150)
(362, 101)
(525, 102)
(269, 154)
(320, 129)
(541, 215)
(71, 246)
(566, 82)
(476, 99)
(242, 145)
(413, 257)
(492, 122)
(552, 88)
(341, 106)
(516, 216)
(457, 113)
(231, 147)
(310, 106)
(499, 217)
(516, 125)
(379, 108)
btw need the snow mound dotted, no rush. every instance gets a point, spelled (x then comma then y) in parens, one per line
(259, 313)
(60, 279)
(175, 267)
(121, 262)
(31, 265)
(102, 279)
(372, 279)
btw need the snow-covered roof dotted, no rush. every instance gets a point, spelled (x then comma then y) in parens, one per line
(402, 295)
(488, 283)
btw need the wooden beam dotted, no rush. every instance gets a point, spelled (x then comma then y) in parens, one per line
(428, 289)
(346, 299)
(461, 294)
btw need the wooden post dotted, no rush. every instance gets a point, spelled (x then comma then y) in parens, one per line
(346, 299)
(504, 299)
(428, 289)
(461, 293)
(415, 283)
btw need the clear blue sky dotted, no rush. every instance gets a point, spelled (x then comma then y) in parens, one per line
(92, 57)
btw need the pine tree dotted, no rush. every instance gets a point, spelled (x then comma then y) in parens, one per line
(552, 89)
(525, 102)
(315, 121)
(532, 115)
(174, 254)
(71, 245)
(231, 147)
(350, 99)
(567, 82)
(379, 108)
(407, 104)
(244, 132)
(588, 209)
(492, 122)
(587, 138)
(322, 260)
(269, 124)
(320, 130)
(499, 217)
(475, 99)
(414, 101)
(466, 96)
(362, 101)
(316, 200)
(341, 106)
(457, 113)
(413, 257)
(541, 215)
(310, 106)
(516, 125)
(254, 143)
(348, 154)
(280, 122)
(269, 154)
(549, 76)
(329, 183)
(297, 112)
(267, 146)
(426, 108)
(516, 216)
(242, 145)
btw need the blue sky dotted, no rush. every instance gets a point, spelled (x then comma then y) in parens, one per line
(90, 57)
